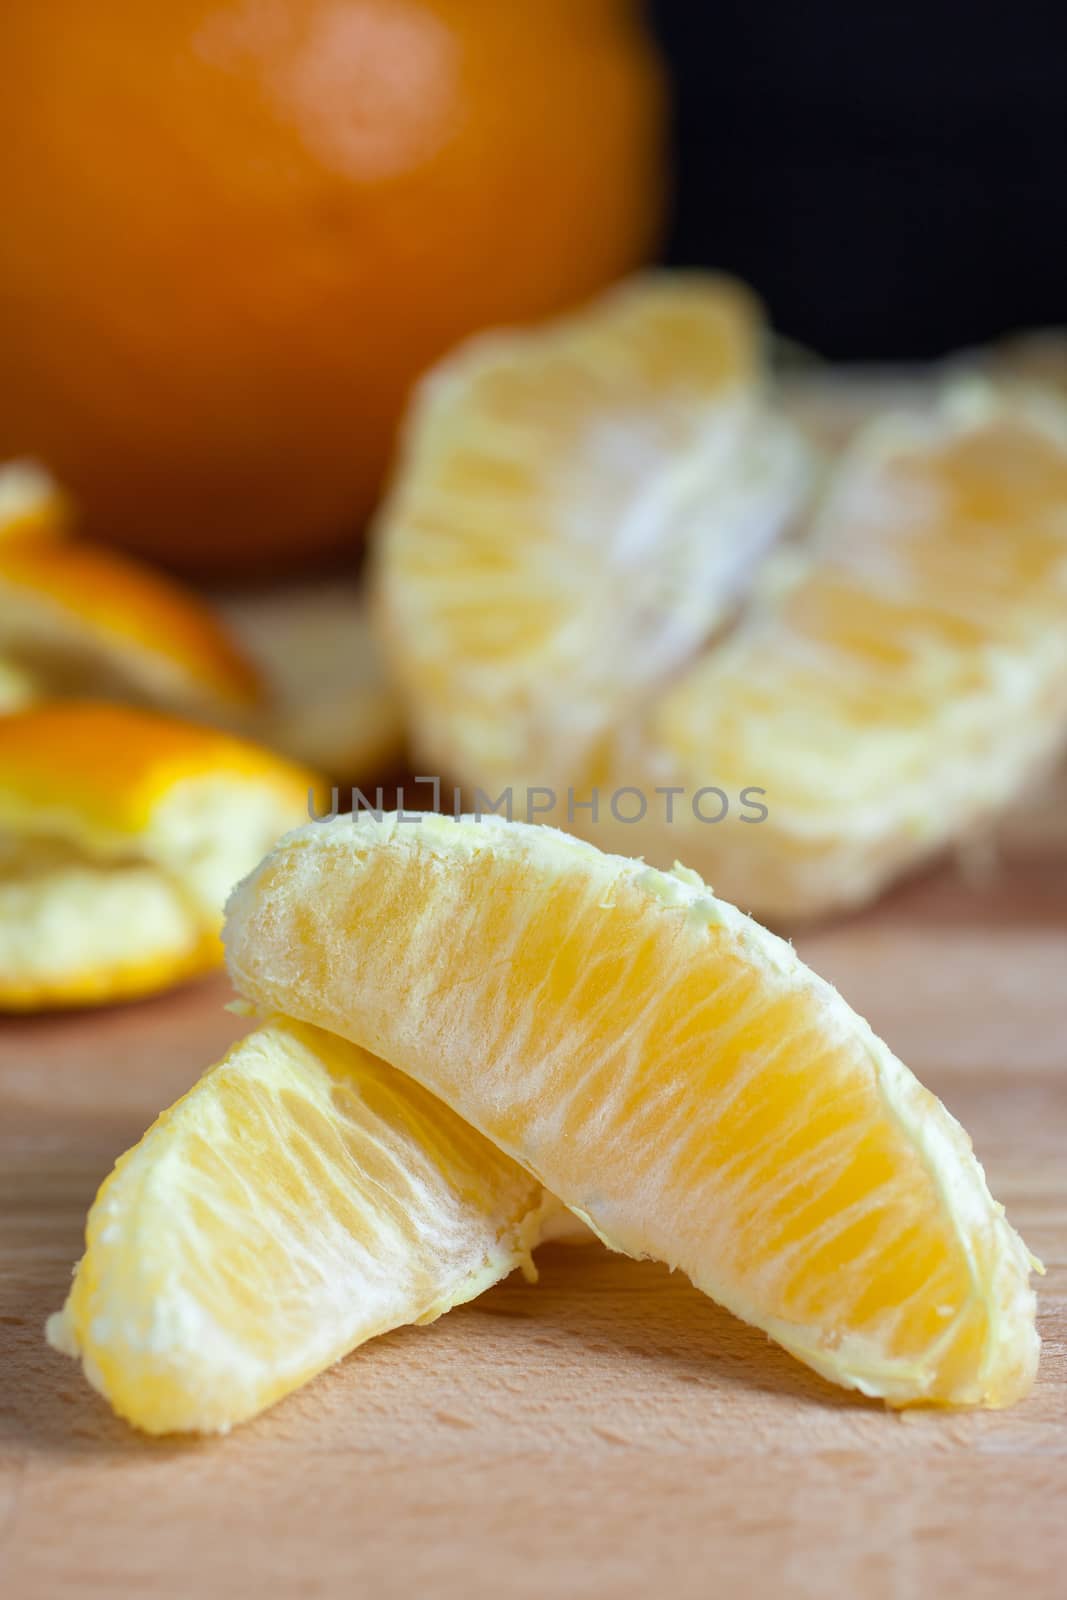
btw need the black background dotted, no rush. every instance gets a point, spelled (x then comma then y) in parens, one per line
(891, 177)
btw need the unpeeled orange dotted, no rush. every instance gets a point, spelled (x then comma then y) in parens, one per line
(236, 231)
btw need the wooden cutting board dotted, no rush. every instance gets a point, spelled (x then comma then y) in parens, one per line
(609, 1432)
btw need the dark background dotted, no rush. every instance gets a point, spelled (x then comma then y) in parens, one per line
(892, 177)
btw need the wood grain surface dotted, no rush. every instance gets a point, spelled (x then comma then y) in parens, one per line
(608, 1432)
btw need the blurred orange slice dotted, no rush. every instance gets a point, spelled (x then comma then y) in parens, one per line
(668, 1069)
(121, 833)
(576, 508)
(300, 1199)
(890, 690)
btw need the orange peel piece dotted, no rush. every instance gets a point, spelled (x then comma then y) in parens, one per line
(298, 669)
(121, 832)
(77, 619)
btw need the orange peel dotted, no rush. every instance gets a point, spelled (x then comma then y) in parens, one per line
(121, 831)
(77, 619)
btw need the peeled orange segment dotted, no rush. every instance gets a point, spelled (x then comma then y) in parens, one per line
(121, 833)
(668, 1069)
(891, 691)
(31, 503)
(302, 1198)
(76, 619)
(329, 701)
(576, 508)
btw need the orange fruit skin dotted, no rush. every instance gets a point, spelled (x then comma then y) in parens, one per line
(134, 606)
(236, 232)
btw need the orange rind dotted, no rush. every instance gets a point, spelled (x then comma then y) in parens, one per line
(121, 832)
(298, 669)
(77, 620)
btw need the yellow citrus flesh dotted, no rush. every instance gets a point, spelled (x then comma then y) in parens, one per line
(121, 833)
(668, 1069)
(576, 508)
(891, 690)
(302, 1198)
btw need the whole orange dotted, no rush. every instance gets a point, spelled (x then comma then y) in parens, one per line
(236, 230)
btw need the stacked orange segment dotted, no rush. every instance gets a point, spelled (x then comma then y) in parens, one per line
(668, 1069)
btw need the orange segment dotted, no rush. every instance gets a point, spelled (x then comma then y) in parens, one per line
(121, 833)
(575, 509)
(302, 1198)
(888, 691)
(667, 1068)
